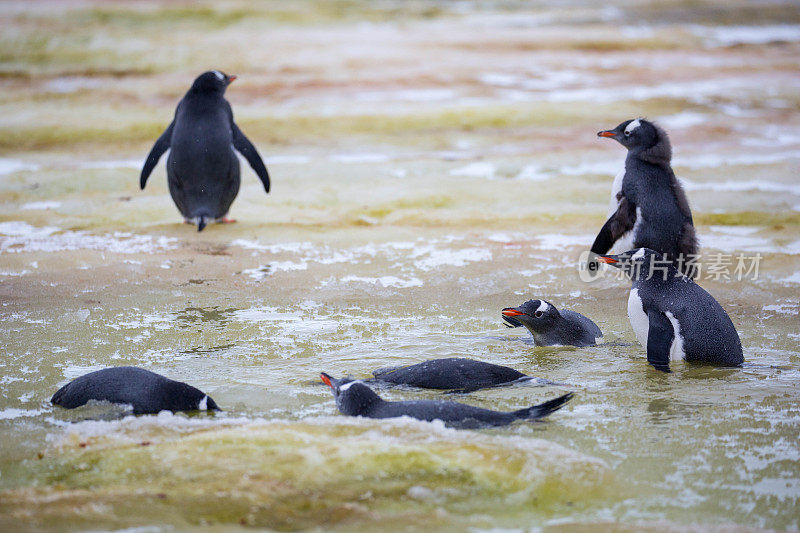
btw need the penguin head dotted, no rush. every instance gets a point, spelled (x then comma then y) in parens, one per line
(640, 263)
(634, 134)
(536, 315)
(184, 397)
(212, 81)
(352, 397)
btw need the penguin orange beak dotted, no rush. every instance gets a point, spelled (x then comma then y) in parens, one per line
(607, 259)
(232, 78)
(326, 379)
(606, 133)
(510, 311)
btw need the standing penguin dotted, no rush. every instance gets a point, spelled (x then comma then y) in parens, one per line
(672, 316)
(649, 207)
(202, 168)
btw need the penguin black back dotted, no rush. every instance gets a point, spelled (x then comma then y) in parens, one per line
(651, 209)
(459, 373)
(202, 169)
(146, 391)
(551, 327)
(355, 398)
(672, 316)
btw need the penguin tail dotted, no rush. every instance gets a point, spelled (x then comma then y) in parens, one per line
(201, 223)
(544, 409)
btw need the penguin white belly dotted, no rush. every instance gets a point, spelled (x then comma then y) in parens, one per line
(676, 352)
(625, 242)
(616, 187)
(639, 321)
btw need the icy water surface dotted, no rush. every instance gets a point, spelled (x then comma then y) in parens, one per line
(431, 164)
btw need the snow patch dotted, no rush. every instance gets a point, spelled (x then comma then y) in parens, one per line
(559, 241)
(39, 206)
(479, 169)
(386, 281)
(733, 35)
(449, 257)
(10, 166)
(22, 237)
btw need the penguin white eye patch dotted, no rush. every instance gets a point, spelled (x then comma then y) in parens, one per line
(348, 385)
(220, 75)
(632, 126)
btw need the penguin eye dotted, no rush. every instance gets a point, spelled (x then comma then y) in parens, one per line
(627, 133)
(538, 314)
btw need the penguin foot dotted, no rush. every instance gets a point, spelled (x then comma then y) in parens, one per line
(226, 220)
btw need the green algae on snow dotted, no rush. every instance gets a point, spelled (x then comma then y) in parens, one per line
(282, 475)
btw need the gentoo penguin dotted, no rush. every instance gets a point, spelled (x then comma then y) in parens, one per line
(551, 327)
(202, 169)
(355, 398)
(458, 373)
(673, 316)
(649, 207)
(146, 391)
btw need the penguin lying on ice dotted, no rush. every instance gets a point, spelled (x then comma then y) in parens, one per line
(456, 373)
(649, 207)
(672, 316)
(146, 391)
(355, 398)
(202, 169)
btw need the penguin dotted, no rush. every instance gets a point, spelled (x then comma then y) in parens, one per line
(551, 327)
(457, 373)
(649, 206)
(672, 316)
(355, 398)
(202, 168)
(146, 391)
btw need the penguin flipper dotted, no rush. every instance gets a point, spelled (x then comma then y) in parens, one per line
(246, 148)
(617, 225)
(162, 145)
(687, 250)
(659, 340)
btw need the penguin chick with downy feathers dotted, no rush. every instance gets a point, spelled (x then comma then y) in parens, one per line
(355, 398)
(672, 316)
(649, 206)
(202, 168)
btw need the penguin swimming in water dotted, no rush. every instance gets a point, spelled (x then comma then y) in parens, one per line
(551, 327)
(649, 206)
(202, 169)
(355, 398)
(456, 373)
(672, 316)
(146, 391)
